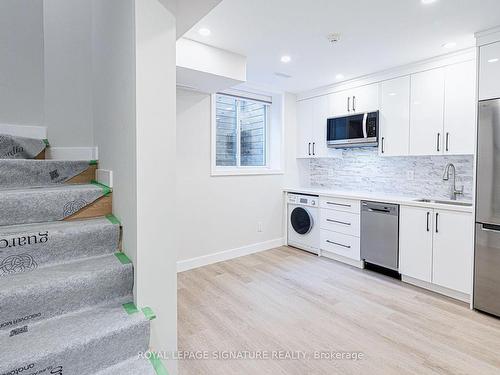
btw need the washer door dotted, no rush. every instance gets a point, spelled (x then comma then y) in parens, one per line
(301, 220)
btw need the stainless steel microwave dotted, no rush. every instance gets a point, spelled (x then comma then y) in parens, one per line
(360, 130)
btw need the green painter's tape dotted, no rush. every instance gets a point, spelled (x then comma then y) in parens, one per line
(112, 218)
(93, 162)
(149, 313)
(46, 141)
(123, 258)
(157, 365)
(130, 308)
(105, 189)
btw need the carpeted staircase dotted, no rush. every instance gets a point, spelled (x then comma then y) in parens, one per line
(65, 286)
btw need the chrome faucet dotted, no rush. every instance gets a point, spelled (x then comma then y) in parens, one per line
(446, 177)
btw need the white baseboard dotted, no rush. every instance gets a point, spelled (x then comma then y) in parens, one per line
(189, 264)
(71, 153)
(104, 176)
(437, 289)
(27, 131)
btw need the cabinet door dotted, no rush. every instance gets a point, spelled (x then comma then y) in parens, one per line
(426, 112)
(489, 71)
(415, 242)
(453, 249)
(320, 116)
(338, 104)
(460, 108)
(395, 117)
(364, 98)
(304, 128)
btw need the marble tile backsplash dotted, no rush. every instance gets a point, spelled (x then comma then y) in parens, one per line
(362, 169)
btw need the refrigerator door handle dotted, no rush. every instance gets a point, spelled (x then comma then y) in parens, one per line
(490, 228)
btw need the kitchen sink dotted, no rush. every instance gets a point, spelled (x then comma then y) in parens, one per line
(451, 203)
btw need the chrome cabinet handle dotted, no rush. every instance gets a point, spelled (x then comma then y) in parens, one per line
(383, 140)
(339, 204)
(338, 222)
(437, 216)
(428, 220)
(354, 103)
(309, 149)
(447, 141)
(349, 104)
(438, 141)
(314, 148)
(338, 244)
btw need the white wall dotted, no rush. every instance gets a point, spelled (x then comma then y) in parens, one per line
(68, 72)
(218, 213)
(156, 168)
(113, 40)
(21, 62)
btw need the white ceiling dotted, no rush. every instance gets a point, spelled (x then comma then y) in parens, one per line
(376, 35)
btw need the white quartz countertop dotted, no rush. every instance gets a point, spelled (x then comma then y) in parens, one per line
(383, 197)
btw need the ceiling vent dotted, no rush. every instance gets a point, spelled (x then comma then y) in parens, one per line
(333, 38)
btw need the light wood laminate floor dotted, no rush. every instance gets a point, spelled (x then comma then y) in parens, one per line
(287, 299)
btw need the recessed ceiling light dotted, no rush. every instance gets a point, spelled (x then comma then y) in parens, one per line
(492, 60)
(339, 76)
(428, 1)
(204, 31)
(392, 94)
(449, 45)
(286, 59)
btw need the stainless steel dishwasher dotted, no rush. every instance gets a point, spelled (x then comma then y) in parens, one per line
(380, 234)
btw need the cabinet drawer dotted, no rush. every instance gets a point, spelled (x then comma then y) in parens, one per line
(340, 244)
(347, 205)
(340, 221)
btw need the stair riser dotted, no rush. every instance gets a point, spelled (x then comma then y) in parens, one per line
(39, 205)
(86, 359)
(43, 246)
(22, 306)
(26, 173)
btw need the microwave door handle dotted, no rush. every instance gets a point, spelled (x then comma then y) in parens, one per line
(365, 133)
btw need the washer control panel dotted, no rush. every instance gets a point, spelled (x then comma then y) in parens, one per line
(304, 200)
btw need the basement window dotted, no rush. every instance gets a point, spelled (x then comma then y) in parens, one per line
(242, 134)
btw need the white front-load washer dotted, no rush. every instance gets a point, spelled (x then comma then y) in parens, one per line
(303, 222)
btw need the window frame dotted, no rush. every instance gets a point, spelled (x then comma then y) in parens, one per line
(238, 169)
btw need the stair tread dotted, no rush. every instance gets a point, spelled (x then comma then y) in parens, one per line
(72, 334)
(52, 203)
(26, 247)
(15, 147)
(62, 288)
(133, 366)
(34, 172)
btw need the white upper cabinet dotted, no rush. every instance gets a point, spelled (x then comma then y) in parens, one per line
(320, 115)
(305, 110)
(358, 100)
(426, 112)
(452, 250)
(489, 71)
(365, 98)
(394, 134)
(460, 108)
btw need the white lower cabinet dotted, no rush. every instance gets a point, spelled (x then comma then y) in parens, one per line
(452, 250)
(340, 244)
(436, 247)
(415, 242)
(340, 228)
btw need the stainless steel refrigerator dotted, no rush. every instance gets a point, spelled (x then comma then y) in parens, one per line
(487, 247)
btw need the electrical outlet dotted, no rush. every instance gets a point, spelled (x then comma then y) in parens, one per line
(410, 175)
(259, 226)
